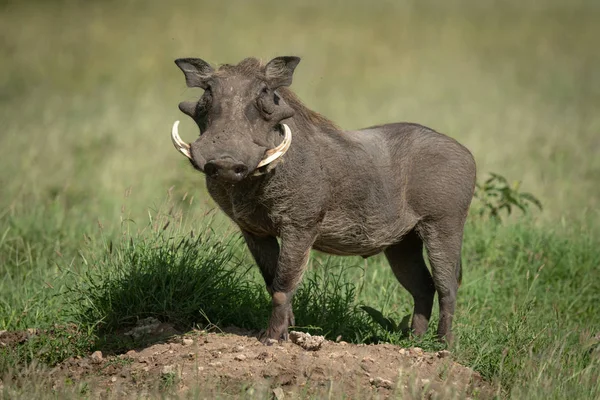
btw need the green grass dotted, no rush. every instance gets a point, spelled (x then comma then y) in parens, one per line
(89, 179)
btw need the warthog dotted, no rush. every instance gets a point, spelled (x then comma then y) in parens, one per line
(280, 170)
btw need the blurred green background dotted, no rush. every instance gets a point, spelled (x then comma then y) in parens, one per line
(89, 90)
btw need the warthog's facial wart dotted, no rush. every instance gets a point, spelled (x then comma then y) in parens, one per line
(240, 116)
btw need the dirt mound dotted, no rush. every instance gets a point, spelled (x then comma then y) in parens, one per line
(240, 366)
(12, 338)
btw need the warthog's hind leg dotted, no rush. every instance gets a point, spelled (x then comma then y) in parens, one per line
(443, 241)
(406, 260)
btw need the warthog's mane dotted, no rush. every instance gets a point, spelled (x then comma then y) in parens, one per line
(305, 118)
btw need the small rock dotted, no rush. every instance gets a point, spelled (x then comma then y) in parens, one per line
(425, 382)
(167, 369)
(368, 359)
(200, 369)
(31, 331)
(113, 379)
(96, 357)
(240, 357)
(131, 353)
(443, 354)
(271, 342)
(343, 343)
(402, 352)
(278, 393)
(144, 327)
(380, 382)
(215, 364)
(238, 349)
(306, 341)
(187, 341)
(416, 350)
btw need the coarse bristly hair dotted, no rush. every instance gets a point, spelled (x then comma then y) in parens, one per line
(304, 117)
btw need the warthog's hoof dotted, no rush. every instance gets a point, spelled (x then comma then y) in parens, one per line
(272, 336)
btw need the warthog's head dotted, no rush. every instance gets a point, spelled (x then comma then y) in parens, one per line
(240, 116)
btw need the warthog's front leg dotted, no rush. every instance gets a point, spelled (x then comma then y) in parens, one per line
(265, 251)
(293, 256)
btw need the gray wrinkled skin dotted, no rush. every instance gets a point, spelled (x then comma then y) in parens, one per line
(390, 188)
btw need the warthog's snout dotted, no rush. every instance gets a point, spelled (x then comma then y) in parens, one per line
(227, 169)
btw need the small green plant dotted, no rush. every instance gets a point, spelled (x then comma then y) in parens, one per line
(497, 195)
(84, 389)
(118, 362)
(167, 380)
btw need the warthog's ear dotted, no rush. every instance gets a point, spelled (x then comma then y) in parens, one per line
(279, 71)
(196, 71)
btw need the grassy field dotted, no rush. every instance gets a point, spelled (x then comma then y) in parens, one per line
(89, 178)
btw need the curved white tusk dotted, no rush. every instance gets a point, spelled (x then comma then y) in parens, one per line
(276, 152)
(179, 144)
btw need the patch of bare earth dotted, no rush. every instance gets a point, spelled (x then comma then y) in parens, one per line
(13, 338)
(238, 365)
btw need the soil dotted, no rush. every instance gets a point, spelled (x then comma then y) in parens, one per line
(236, 364)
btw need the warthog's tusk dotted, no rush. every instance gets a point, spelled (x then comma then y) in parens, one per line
(179, 144)
(276, 152)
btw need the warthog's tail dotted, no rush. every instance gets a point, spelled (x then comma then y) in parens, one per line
(459, 272)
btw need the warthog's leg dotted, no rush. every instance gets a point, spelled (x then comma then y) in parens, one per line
(295, 249)
(406, 260)
(443, 241)
(265, 251)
